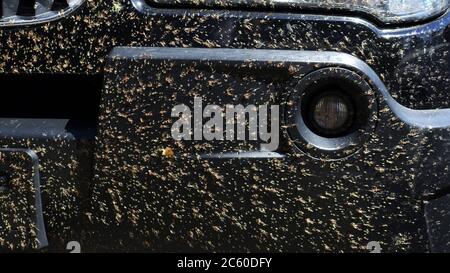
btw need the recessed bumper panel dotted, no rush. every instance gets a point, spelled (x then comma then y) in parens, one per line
(169, 195)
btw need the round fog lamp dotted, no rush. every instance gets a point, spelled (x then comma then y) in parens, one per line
(332, 114)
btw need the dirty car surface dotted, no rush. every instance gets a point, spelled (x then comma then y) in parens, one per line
(91, 88)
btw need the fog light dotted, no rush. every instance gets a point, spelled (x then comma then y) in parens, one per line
(331, 114)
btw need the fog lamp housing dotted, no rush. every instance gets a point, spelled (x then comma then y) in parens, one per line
(331, 113)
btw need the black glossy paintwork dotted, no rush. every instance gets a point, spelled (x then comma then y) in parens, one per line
(413, 61)
(437, 216)
(139, 198)
(180, 201)
(17, 200)
(64, 162)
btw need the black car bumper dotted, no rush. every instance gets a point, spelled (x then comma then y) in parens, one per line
(390, 187)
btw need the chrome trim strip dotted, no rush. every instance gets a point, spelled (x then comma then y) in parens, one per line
(241, 155)
(388, 32)
(423, 119)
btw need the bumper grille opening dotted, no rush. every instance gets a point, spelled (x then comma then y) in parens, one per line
(59, 5)
(26, 8)
(41, 96)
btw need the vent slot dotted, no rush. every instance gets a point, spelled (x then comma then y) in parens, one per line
(59, 5)
(26, 8)
(40, 96)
